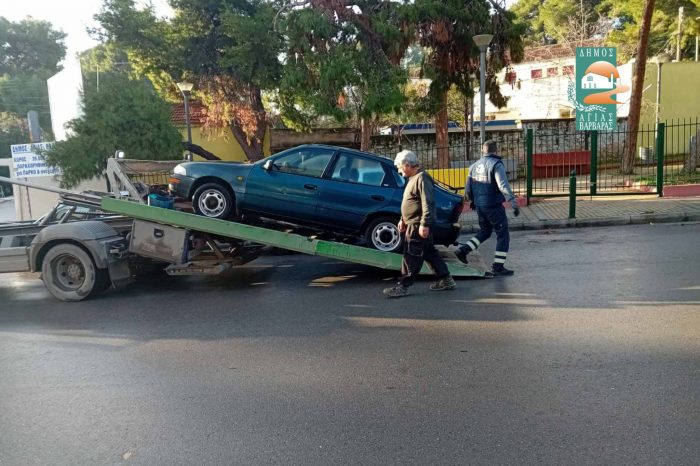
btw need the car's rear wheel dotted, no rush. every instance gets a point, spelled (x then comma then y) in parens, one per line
(213, 200)
(383, 234)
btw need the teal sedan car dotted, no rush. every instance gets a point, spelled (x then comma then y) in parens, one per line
(333, 189)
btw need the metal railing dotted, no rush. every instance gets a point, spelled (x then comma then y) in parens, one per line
(540, 162)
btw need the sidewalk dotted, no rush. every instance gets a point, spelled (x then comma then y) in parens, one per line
(596, 211)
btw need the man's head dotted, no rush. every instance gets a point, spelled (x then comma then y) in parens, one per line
(489, 147)
(407, 163)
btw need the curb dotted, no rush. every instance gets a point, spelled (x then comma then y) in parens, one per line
(594, 222)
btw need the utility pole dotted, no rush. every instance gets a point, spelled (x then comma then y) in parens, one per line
(680, 33)
(696, 42)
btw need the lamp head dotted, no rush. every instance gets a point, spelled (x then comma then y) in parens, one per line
(662, 58)
(482, 41)
(185, 86)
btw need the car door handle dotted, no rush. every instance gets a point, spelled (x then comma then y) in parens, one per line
(311, 186)
(377, 197)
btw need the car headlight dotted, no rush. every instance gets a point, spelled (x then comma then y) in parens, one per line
(180, 170)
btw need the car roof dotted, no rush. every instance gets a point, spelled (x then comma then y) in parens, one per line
(345, 149)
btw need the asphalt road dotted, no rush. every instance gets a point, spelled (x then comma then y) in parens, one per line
(589, 355)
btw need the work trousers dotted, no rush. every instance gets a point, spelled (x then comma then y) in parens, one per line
(416, 250)
(493, 218)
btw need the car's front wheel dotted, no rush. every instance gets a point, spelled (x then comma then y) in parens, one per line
(383, 234)
(213, 200)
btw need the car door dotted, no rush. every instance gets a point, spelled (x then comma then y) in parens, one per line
(356, 187)
(289, 187)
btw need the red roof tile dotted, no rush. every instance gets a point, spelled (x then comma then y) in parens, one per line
(198, 114)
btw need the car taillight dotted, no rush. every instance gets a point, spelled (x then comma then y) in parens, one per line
(457, 211)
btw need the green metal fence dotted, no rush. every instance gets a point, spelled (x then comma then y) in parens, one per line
(681, 149)
(540, 162)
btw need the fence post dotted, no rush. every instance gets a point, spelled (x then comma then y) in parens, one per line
(660, 134)
(572, 194)
(528, 155)
(594, 163)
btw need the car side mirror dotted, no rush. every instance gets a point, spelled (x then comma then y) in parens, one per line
(269, 165)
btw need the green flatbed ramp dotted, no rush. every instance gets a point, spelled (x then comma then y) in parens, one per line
(293, 242)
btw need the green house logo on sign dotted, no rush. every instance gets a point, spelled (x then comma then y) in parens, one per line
(597, 86)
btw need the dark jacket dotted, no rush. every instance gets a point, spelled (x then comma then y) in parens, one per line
(418, 204)
(487, 183)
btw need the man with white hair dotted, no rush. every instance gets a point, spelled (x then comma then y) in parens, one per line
(487, 189)
(417, 217)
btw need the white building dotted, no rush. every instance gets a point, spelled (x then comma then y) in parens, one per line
(539, 86)
(597, 81)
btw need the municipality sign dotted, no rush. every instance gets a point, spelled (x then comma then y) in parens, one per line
(29, 162)
(597, 86)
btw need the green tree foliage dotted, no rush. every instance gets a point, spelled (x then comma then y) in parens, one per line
(13, 130)
(446, 29)
(229, 49)
(556, 21)
(30, 51)
(125, 114)
(340, 64)
(30, 47)
(616, 21)
(627, 16)
(22, 93)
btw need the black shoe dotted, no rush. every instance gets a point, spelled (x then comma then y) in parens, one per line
(461, 255)
(501, 271)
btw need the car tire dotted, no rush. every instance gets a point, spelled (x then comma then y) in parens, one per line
(70, 274)
(383, 234)
(213, 200)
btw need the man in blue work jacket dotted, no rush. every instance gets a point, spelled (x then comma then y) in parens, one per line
(487, 189)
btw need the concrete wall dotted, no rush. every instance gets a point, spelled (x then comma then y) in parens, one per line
(680, 92)
(30, 204)
(281, 139)
(222, 143)
(680, 100)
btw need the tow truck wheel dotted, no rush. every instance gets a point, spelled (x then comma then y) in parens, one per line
(383, 234)
(70, 274)
(212, 200)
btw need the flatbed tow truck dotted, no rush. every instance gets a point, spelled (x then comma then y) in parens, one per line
(101, 239)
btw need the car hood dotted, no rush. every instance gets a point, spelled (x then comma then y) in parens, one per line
(217, 168)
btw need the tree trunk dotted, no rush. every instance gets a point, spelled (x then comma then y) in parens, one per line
(365, 133)
(691, 162)
(637, 86)
(441, 136)
(252, 144)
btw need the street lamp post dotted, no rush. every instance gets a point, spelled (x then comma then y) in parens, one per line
(660, 60)
(482, 41)
(186, 87)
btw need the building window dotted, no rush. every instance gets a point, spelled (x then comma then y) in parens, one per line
(535, 74)
(568, 70)
(552, 72)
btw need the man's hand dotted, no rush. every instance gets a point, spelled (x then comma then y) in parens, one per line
(472, 206)
(423, 232)
(402, 226)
